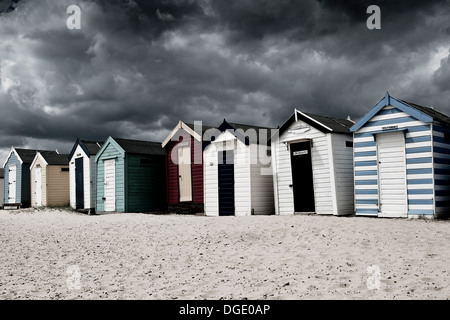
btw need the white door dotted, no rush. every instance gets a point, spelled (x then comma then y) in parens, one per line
(110, 185)
(12, 184)
(393, 200)
(38, 186)
(184, 174)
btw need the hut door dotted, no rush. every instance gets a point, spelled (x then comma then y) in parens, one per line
(392, 175)
(184, 173)
(302, 177)
(226, 183)
(12, 184)
(38, 186)
(110, 185)
(79, 183)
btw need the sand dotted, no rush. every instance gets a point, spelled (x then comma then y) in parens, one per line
(140, 256)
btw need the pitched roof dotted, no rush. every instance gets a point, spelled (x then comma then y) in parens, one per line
(53, 158)
(421, 113)
(92, 146)
(436, 115)
(140, 147)
(263, 134)
(204, 128)
(189, 128)
(27, 155)
(322, 123)
(335, 124)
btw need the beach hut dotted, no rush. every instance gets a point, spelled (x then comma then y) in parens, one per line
(49, 174)
(402, 162)
(184, 168)
(17, 185)
(82, 174)
(130, 176)
(237, 174)
(312, 165)
(2, 187)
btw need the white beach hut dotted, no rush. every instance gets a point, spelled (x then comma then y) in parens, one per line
(312, 165)
(237, 174)
(82, 174)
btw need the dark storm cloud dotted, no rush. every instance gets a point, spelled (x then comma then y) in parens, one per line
(149, 18)
(442, 76)
(7, 5)
(138, 67)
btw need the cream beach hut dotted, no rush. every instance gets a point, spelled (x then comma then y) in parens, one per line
(49, 174)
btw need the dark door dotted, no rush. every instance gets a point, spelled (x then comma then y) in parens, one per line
(302, 177)
(226, 183)
(79, 183)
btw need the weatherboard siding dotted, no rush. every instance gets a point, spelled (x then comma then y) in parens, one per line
(242, 179)
(87, 180)
(145, 183)
(44, 194)
(343, 170)
(441, 165)
(320, 157)
(261, 181)
(211, 180)
(72, 187)
(110, 152)
(2, 193)
(253, 192)
(172, 181)
(419, 167)
(172, 173)
(13, 160)
(197, 171)
(92, 181)
(57, 188)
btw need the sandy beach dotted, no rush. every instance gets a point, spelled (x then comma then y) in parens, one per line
(60, 254)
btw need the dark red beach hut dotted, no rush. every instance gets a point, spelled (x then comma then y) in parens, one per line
(184, 168)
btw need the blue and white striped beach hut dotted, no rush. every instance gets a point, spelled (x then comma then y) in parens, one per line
(402, 161)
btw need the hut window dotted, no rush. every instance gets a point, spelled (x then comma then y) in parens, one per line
(64, 169)
(145, 162)
(349, 144)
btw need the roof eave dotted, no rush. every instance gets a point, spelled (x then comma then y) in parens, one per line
(390, 100)
(181, 125)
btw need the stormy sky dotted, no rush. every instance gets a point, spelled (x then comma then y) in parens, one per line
(137, 67)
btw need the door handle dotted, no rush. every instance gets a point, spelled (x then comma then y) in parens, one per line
(291, 186)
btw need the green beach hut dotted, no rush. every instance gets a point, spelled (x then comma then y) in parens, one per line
(130, 176)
